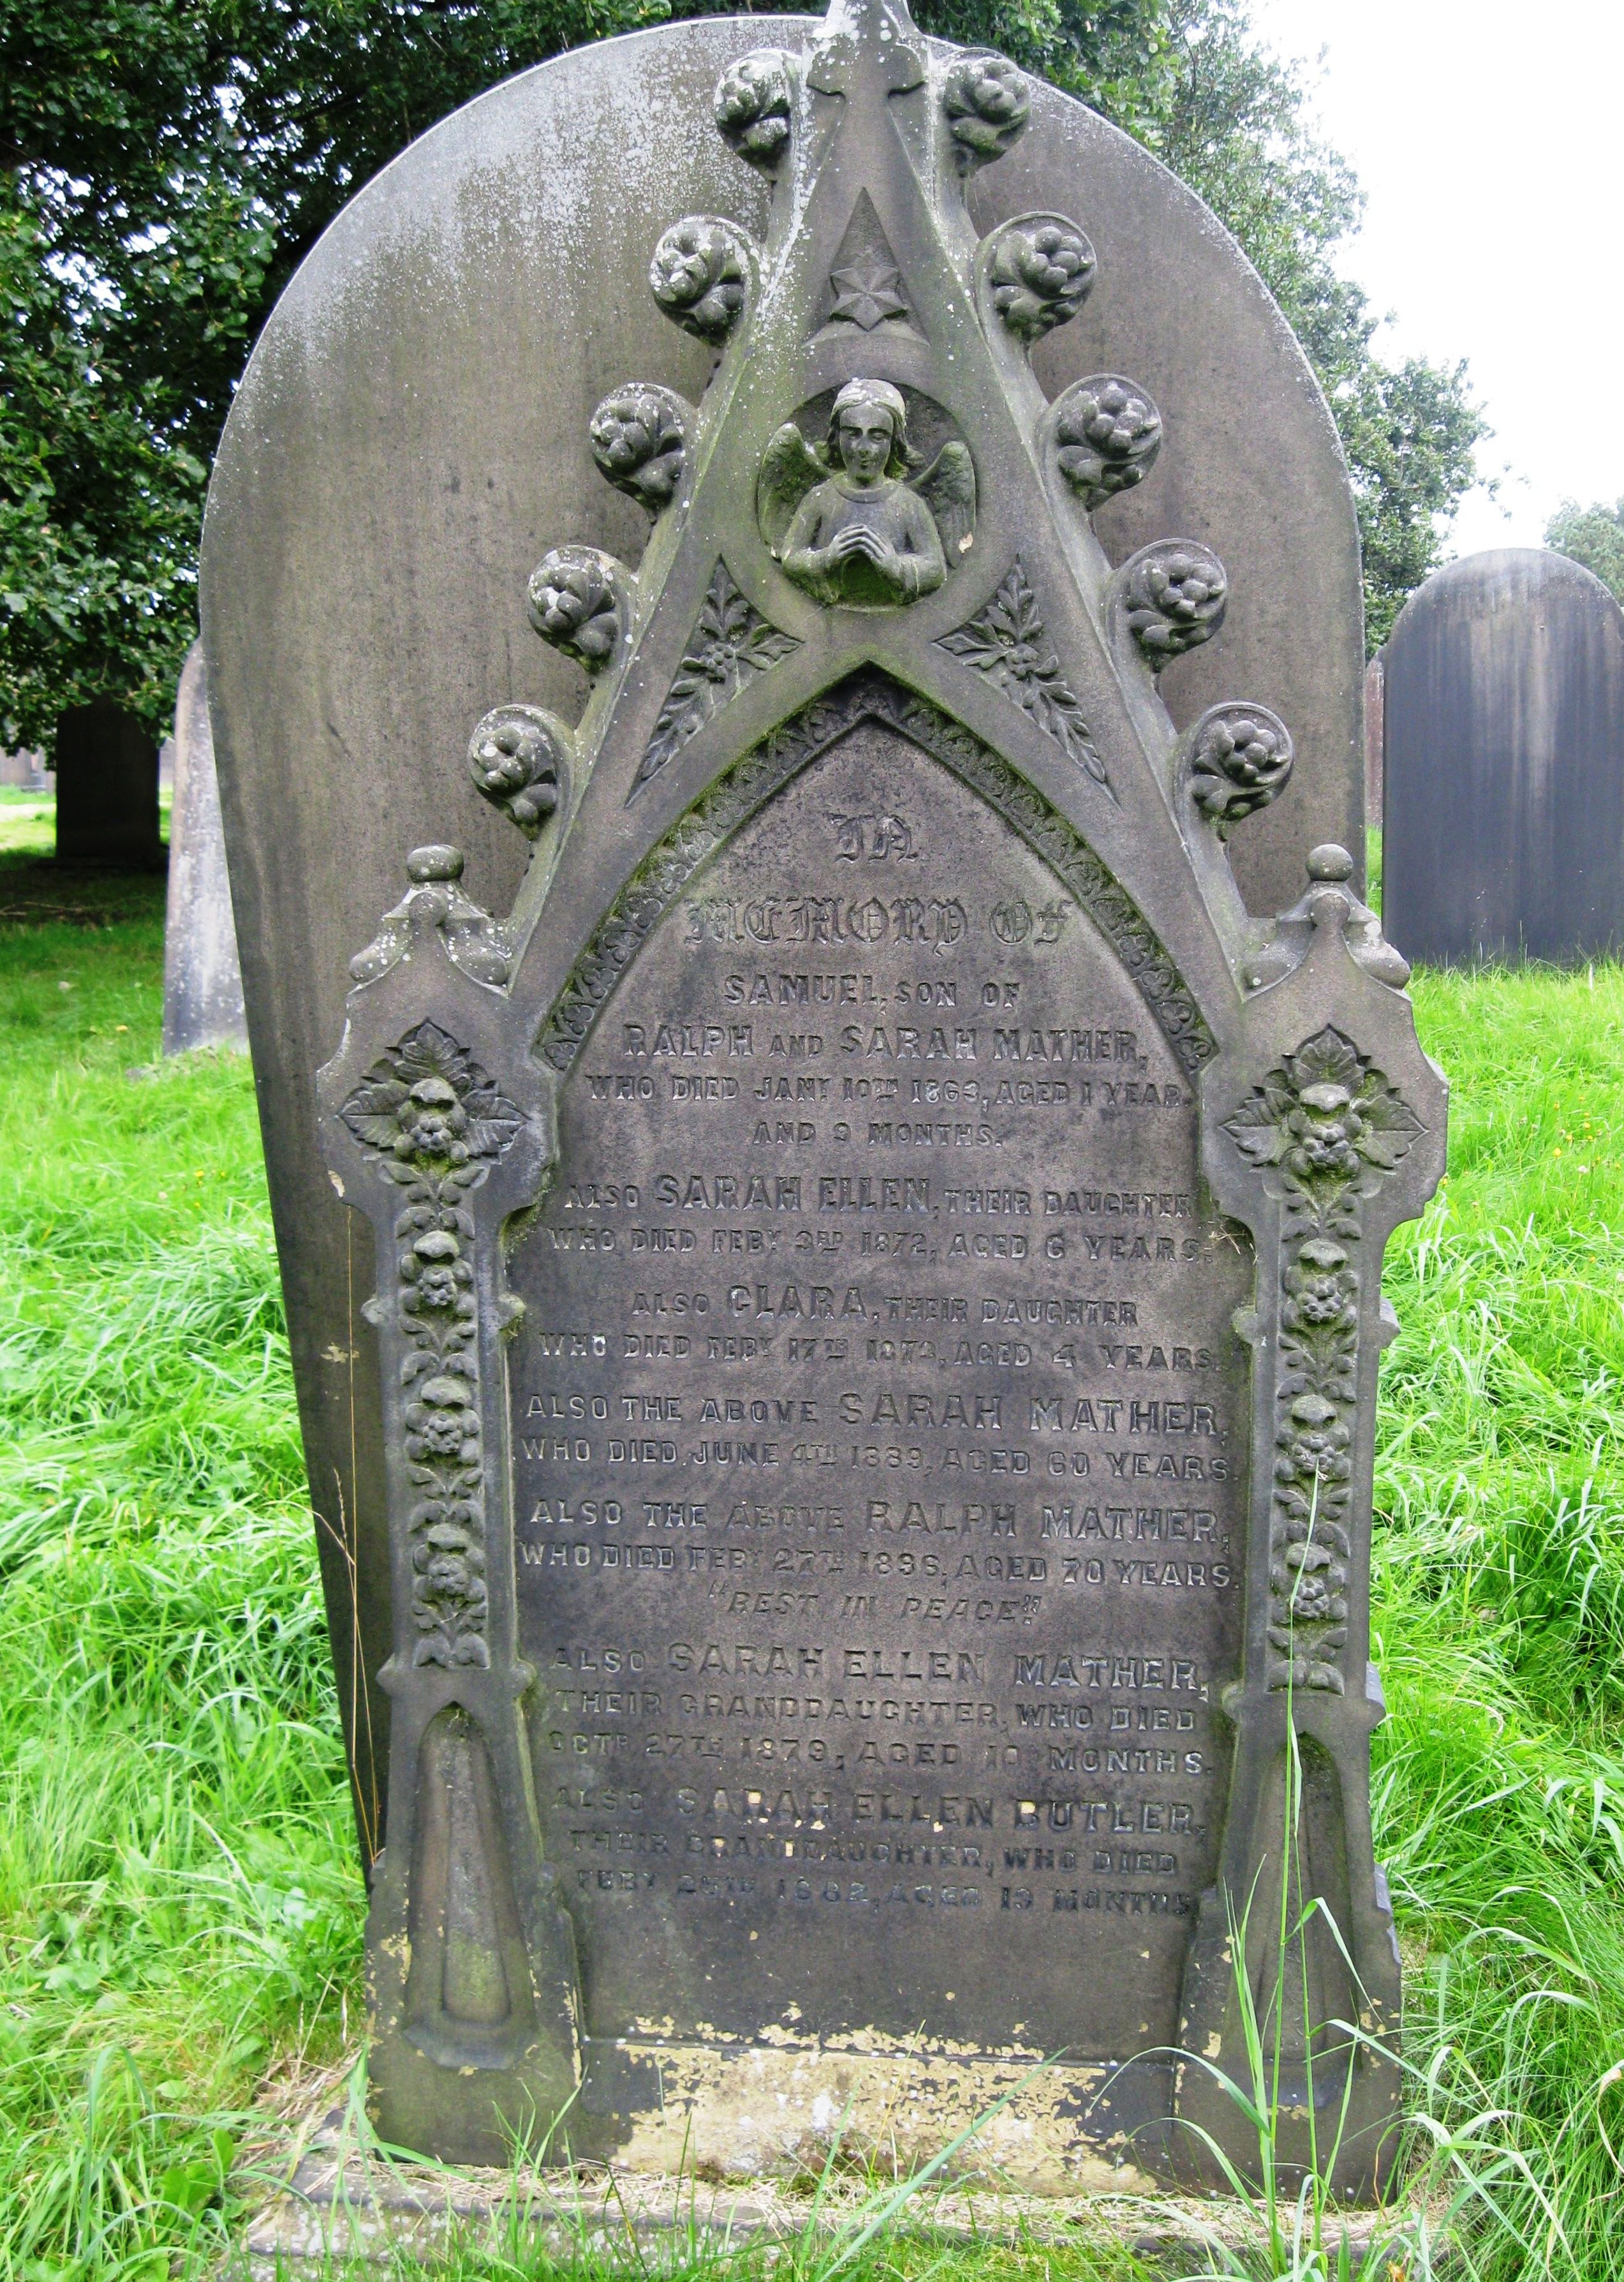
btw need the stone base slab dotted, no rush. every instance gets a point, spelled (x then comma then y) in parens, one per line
(338, 2200)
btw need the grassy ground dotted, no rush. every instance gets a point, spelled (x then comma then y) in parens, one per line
(180, 1911)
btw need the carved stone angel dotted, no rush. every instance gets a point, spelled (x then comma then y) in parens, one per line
(850, 525)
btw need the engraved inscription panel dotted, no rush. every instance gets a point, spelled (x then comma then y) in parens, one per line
(879, 1432)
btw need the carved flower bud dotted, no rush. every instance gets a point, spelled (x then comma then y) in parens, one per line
(1107, 434)
(576, 604)
(698, 275)
(1175, 593)
(516, 759)
(638, 436)
(753, 109)
(987, 106)
(1040, 273)
(1241, 759)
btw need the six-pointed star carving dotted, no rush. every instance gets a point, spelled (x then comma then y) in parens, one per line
(865, 292)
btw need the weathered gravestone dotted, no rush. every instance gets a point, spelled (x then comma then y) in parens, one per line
(106, 789)
(1504, 814)
(1375, 713)
(203, 982)
(872, 1363)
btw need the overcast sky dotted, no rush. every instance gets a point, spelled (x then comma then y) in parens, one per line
(1489, 141)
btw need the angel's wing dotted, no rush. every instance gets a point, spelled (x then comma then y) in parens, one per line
(948, 489)
(790, 468)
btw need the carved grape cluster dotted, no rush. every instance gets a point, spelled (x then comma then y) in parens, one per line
(576, 604)
(699, 274)
(1175, 593)
(987, 105)
(1108, 433)
(515, 758)
(638, 436)
(1241, 759)
(753, 109)
(1040, 272)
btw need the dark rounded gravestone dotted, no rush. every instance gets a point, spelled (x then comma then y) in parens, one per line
(106, 789)
(1503, 766)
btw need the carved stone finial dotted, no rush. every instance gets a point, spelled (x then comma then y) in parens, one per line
(1040, 272)
(753, 109)
(699, 273)
(638, 436)
(1107, 434)
(436, 905)
(867, 38)
(1239, 759)
(516, 759)
(1173, 594)
(987, 105)
(578, 603)
(1329, 902)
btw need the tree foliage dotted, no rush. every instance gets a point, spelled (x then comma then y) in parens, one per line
(166, 164)
(1593, 536)
(1232, 123)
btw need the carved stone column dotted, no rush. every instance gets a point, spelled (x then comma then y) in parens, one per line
(470, 1958)
(1323, 1128)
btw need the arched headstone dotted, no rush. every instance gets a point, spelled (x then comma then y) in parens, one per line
(203, 982)
(857, 1458)
(1503, 830)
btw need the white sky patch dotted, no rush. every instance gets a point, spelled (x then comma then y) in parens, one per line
(1487, 141)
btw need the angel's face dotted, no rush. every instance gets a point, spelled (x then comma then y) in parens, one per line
(864, 441)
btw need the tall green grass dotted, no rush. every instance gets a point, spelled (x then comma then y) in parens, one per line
(180, 1909)
(179, 1901)
(1499, 1578)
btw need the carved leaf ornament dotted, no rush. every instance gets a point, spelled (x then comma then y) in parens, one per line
(1007, 642)
(731, 643)
(1332, 1127)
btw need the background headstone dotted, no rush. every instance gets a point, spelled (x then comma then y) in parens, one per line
(203, 982)
(416, 405)
(1503, 792)
(24, 772)
(106, 789)
(1375, 685)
